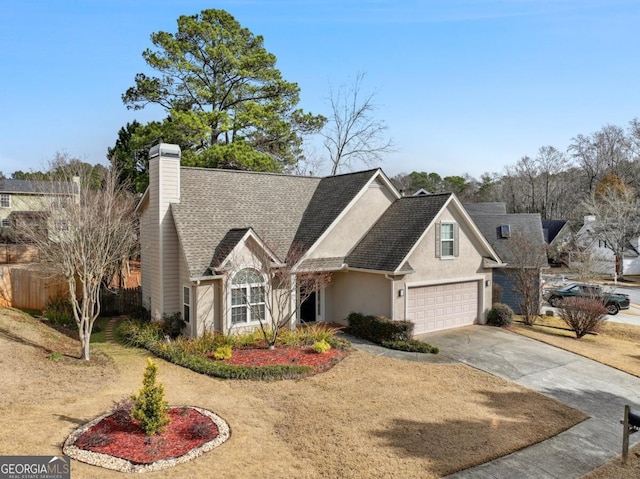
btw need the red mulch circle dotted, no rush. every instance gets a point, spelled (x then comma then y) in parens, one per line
(286, 355)
(187, 430)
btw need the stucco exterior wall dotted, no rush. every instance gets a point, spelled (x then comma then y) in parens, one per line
(355, 223)
(359, 292)
(430, 270)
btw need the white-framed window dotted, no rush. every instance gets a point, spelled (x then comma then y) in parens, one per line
(186, 303)
(5, 223)
(446, 240)
(5, 200)
(247, 297)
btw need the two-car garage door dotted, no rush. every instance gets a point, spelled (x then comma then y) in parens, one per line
(442, 306)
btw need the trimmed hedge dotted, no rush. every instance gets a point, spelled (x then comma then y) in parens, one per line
(378, 328)
(387, 333)
(411, 346)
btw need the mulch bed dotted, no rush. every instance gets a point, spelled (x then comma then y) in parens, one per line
(187, 430)
(115, 441)
(286, 355)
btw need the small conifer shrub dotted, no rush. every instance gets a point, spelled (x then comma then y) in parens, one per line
(149, 407)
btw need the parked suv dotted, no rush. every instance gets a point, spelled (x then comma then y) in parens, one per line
(614, 302)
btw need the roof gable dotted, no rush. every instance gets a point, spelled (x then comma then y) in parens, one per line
(330, 199)
(233, 241)
(400, 230)
(388, 243)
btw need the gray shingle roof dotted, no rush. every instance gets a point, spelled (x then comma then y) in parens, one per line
(29, 187)
(214, 202)
(488, 208)
(388, 242)
(331, 197)
(226, 245)
(527, 224)
(551, 228)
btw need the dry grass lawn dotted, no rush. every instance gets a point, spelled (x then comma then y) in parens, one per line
(367, 417)
(617, 345)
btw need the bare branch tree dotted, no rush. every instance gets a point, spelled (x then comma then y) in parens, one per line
(616, 208)
(352, 133)
(83, 236)
(528, 256)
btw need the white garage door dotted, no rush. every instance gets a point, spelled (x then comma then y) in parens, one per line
(444, 306)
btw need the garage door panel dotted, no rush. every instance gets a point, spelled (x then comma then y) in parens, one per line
(437, 307)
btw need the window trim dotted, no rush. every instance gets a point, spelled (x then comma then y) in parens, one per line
(5, 223)
(186, 305)
(454, 240)
(247, 296)
(3, 197)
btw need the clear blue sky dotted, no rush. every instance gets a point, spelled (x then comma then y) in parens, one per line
(465, 86)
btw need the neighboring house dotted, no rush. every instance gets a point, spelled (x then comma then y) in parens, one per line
(25, 200)
(602, 260)
(205, 232)
(558, 236)
(505, 232)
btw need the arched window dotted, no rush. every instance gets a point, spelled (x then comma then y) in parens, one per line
(247, 297)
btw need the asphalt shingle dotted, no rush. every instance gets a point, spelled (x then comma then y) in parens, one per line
(389, 241)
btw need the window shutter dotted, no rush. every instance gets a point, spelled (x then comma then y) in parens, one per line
(438, 225)
(456, 249)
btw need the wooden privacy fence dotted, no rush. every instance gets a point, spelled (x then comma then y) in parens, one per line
(17, 253)
(28, 288)
(120, 301)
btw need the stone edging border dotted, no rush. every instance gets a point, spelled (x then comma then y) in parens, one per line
(111, 462)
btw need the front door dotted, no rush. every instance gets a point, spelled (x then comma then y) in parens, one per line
(308, 309)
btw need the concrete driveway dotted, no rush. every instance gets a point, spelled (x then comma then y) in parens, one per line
(598, 390)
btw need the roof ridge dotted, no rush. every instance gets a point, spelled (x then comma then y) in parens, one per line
(431, 195)
(353, 173)
(251, 172)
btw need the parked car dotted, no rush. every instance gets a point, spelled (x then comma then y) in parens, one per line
(614, 302)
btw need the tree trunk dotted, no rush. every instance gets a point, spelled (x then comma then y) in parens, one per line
(619, 266)
(85, 352)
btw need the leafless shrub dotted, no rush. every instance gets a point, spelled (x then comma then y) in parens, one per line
(121, 410)
(94, 439)
(201, 429)
(582, 315)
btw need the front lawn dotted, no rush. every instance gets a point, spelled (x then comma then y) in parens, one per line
(617, 345)
(368, 416)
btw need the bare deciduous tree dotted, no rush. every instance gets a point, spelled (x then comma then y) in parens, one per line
(617, 211)
(608, 149)
(528, 256)
(83, 236)
(352, 133)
